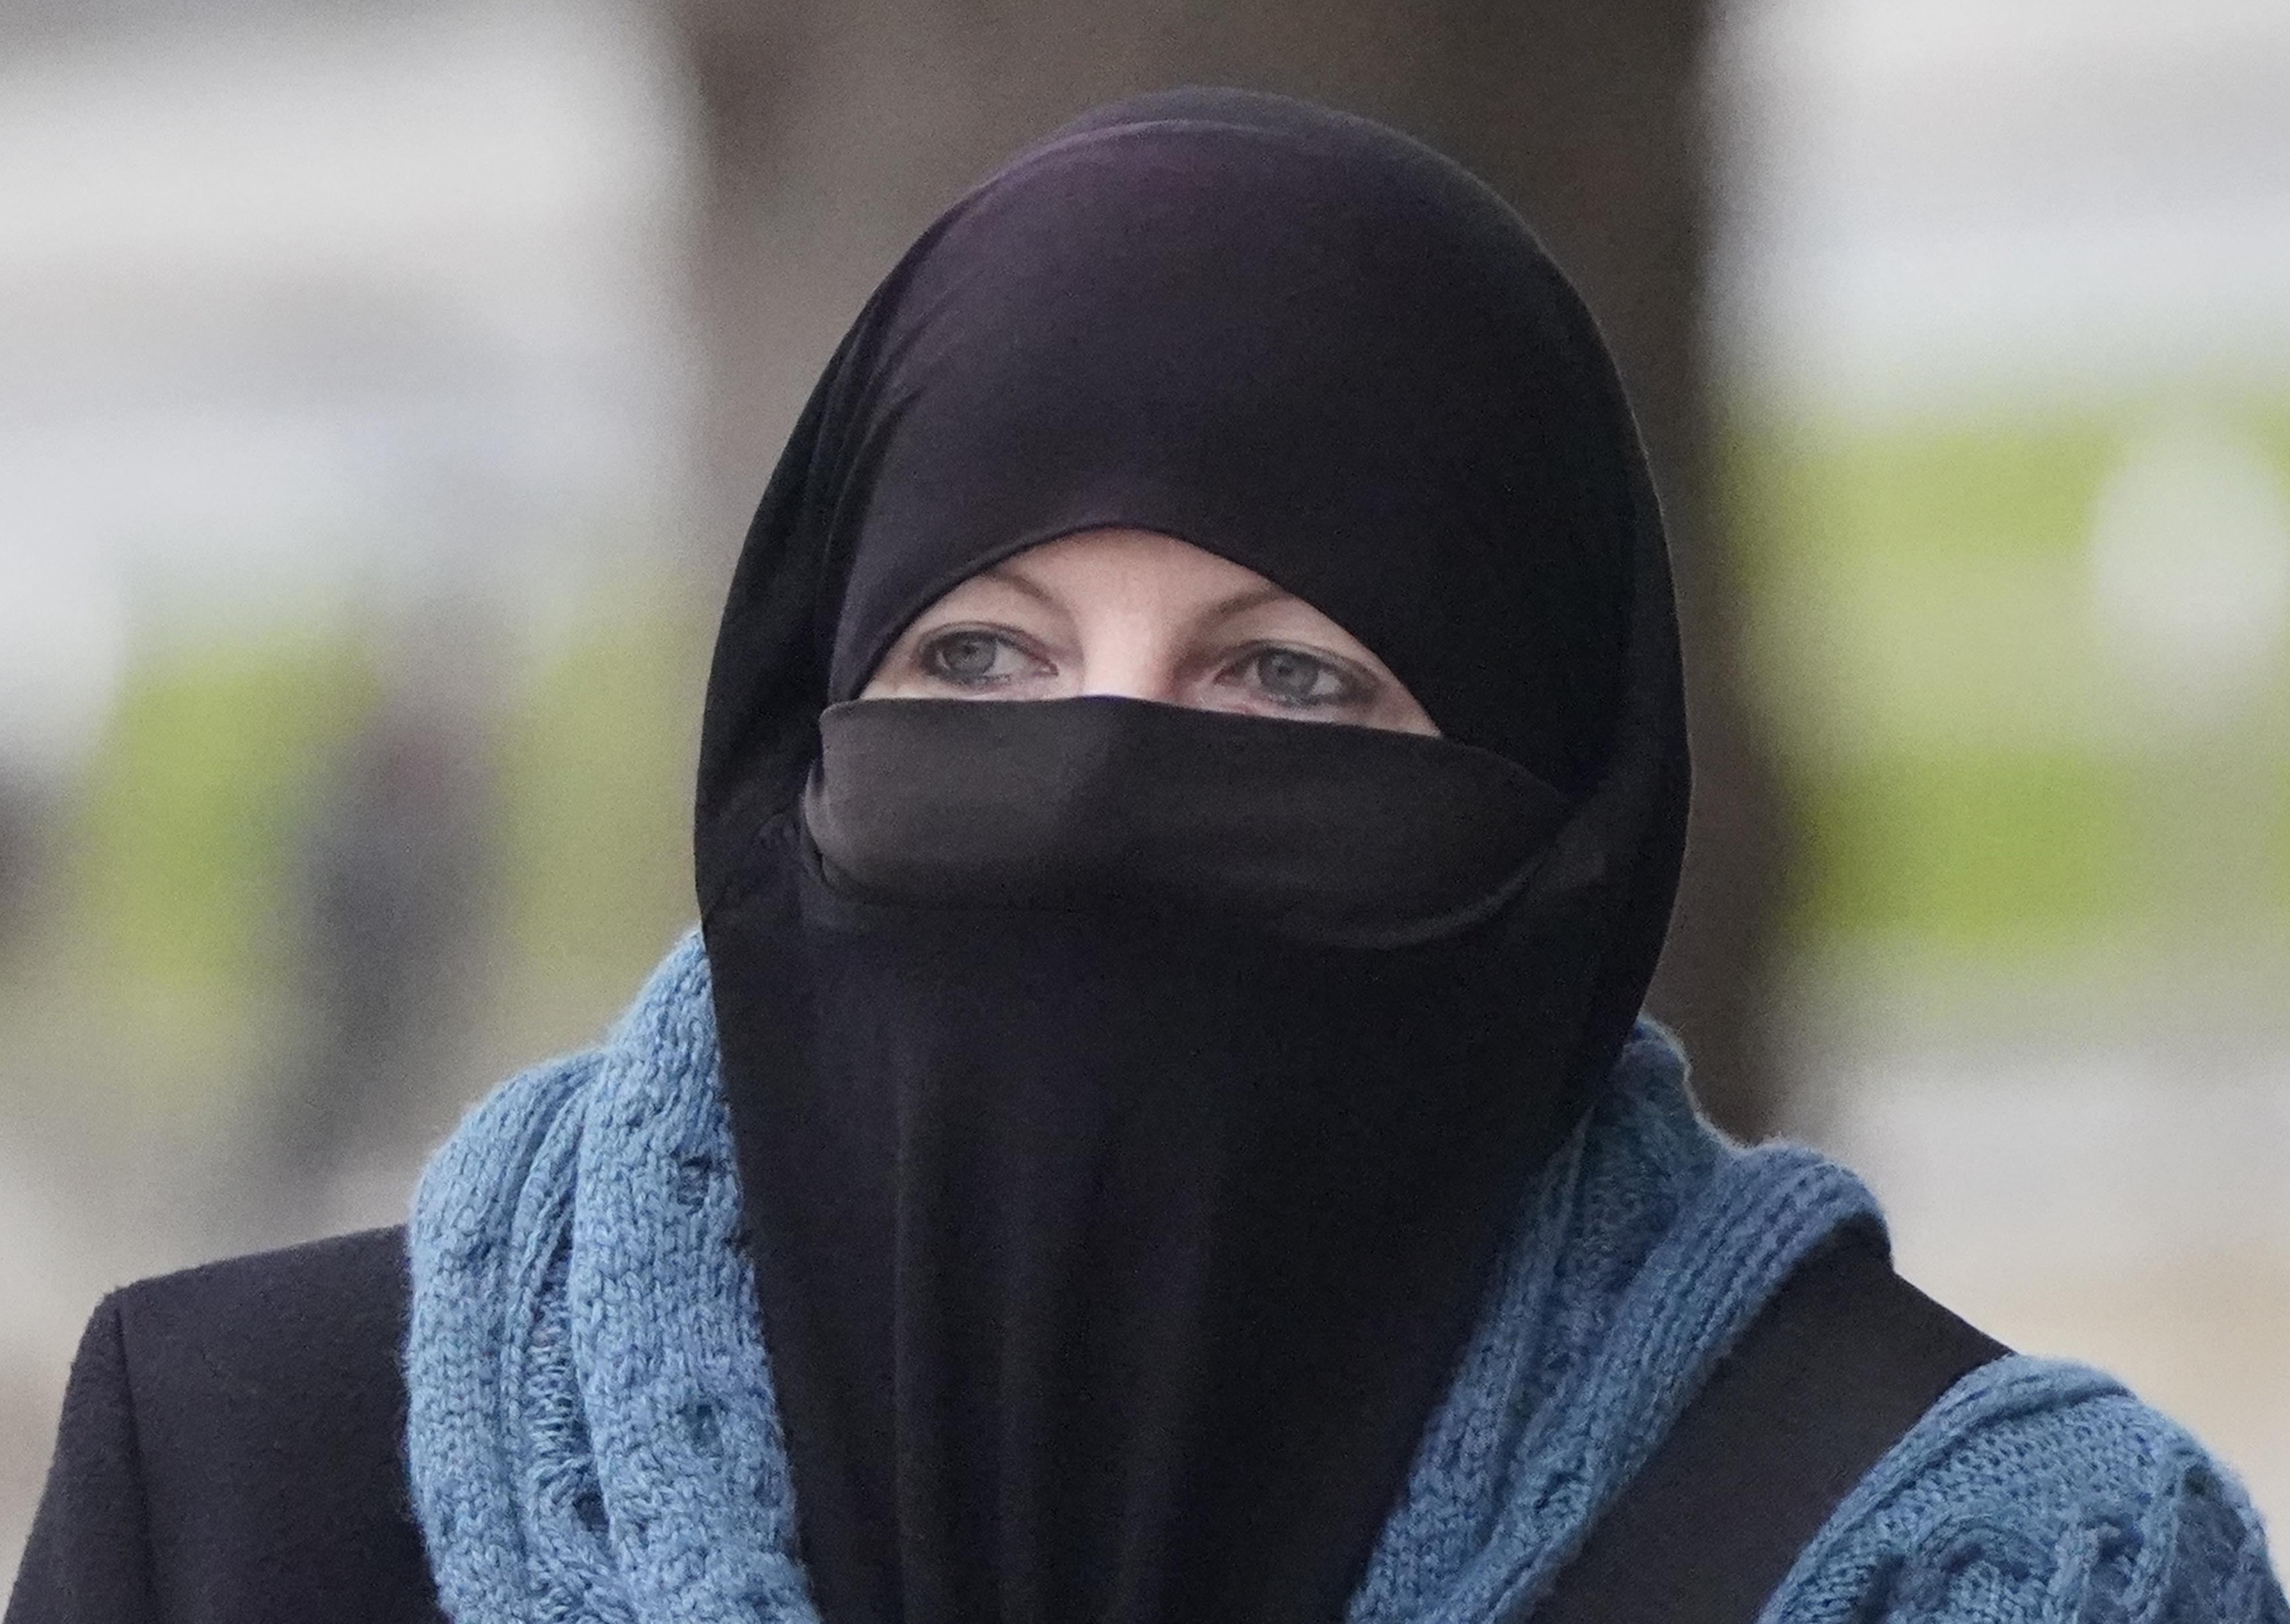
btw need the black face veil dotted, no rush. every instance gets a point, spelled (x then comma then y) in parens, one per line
(1130, 1101)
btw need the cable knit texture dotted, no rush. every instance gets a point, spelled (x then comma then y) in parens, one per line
(593, 1436)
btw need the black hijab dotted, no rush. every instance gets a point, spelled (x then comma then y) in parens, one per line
(1130, 1101)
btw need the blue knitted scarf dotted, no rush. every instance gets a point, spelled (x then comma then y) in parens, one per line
(593, 1436)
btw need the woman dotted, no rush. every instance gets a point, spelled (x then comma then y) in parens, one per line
(1177, 1149)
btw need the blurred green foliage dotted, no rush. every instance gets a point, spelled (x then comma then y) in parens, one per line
(174, 912)
(595, 790)
(1976, 772)
(1981, 851)
(191, 815)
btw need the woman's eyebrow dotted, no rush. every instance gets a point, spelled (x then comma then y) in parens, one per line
(1006, 574)
(1248, 598)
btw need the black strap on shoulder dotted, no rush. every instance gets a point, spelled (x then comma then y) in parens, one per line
(1831, 1374)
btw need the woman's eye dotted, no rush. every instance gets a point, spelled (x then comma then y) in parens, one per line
(1290, 677)
(973, 659)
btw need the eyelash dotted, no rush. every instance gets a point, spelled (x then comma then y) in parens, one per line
(1352, 687)
(931, 656)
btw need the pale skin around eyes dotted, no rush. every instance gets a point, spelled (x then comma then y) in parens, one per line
(1142, 616)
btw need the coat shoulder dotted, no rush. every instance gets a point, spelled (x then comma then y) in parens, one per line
(241, 1426)
(316, 1325)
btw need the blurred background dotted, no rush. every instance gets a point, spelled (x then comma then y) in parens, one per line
(383, 384)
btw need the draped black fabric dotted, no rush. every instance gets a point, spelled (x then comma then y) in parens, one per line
(1130, 1101)
(1388, 838)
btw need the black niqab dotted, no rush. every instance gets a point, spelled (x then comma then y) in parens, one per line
(1130, 1101)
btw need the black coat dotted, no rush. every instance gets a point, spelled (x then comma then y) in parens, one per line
(232, 1452)
(232, 1448)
